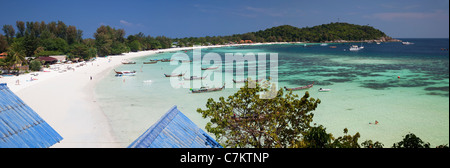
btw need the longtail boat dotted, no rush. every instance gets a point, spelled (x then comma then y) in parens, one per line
(195, 77)
(245, 80)
(300, 88)
(210, 68)
(206, 89)
(151, 62)
(175, 75)
(125, 73)
(166, 60)
(129, 62)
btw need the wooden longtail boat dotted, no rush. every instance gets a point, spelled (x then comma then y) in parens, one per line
(300, 88)
(165, 60)
(245, 80)
(151, 62)
(175, 75)
(195, 77)
(125, 73)
(210, 68)
(206, 89)
(129, 62)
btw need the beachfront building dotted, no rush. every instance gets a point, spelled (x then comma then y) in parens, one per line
(174, 44)
(174, 130)
(59, 58)
(3, 55)
(21, 126)
(245, 41)
(48, 60)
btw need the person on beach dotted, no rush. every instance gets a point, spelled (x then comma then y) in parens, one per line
(91, 77)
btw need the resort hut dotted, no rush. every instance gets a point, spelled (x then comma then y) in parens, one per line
(21, 126)
(174, 130)
(48, 60)
(60, 58)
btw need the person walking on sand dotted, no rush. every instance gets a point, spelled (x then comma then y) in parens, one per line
(91, 77)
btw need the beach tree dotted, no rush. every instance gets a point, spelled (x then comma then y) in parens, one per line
(411, 141)
(347, 141)
(246, 120)
(16, 55)
(9, 33)
(35, 65)
(371, 144)
(3, 43)
(317, 137)
(21, 27)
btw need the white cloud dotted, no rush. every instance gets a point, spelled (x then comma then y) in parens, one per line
(123, 22)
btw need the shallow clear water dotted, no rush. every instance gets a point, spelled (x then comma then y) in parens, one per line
(365, 87)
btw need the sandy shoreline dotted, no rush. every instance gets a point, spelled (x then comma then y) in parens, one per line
(66, 100)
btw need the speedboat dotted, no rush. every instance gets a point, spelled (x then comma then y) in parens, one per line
(356, 48)
(324, 90)
(407, 43)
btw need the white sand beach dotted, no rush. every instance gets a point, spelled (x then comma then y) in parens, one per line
(65, 100)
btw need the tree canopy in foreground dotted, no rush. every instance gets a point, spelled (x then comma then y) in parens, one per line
(246, 120)
(249, 119)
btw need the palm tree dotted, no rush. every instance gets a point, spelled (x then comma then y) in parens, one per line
(16, 55)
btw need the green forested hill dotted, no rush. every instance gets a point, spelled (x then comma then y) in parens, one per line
(321, 33)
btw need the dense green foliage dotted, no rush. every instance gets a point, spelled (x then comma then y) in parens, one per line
(41, 39)
(411, 141)
(35, 65)
(287, 33)
(321, 33)
(246, 120)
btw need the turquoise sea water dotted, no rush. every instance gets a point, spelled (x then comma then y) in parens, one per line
(364, 87)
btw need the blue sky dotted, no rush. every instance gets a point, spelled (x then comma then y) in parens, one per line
(186, 18)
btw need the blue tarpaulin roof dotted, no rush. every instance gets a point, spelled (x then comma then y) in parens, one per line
(21, 126)
(174, 130)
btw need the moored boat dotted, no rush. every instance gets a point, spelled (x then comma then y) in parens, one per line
(245, 80)
(300, 88)
(355, 48)
(207, 89)
(151, 62)
(324, 90)
(165, 60)
(175, 75)
(407, 43)
(195, 77)
(128, 62)
(125, 73)
(210, 68)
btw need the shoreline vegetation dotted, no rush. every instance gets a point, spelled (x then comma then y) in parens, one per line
(35, 39)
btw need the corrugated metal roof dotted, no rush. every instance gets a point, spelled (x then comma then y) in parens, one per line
(174, 130)
(21, 126)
